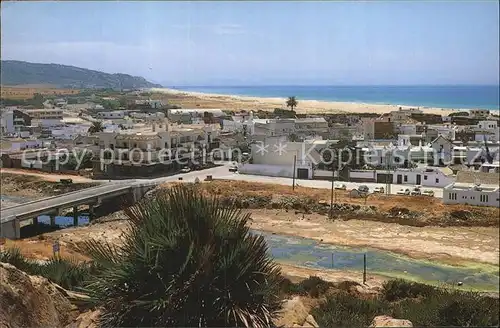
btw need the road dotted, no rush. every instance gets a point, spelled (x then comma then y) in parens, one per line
(222, 172)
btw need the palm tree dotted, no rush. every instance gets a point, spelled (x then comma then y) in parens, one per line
(96, 127)
(292, 102)
(185, 261)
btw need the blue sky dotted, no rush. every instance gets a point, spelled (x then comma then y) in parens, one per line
(263, 43)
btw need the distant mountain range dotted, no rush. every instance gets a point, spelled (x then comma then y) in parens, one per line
(15, 72)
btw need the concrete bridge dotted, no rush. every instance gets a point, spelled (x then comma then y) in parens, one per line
(11, 217)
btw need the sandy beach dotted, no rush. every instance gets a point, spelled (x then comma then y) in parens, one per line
(188, 99)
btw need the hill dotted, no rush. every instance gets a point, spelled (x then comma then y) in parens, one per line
(15, 72)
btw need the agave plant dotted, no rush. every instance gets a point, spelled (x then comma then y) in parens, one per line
(68, 273)
(185, 261)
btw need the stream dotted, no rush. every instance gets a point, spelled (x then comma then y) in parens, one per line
(312, 254)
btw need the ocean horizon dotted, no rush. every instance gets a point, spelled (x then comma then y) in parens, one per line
(438, 96)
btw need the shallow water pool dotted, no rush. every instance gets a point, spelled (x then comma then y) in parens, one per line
(310, 253)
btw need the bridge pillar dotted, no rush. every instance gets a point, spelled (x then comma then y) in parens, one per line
(52, 220)
(75, 216)
(91, 212)
(11, 229)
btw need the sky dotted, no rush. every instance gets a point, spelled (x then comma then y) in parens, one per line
(263, 43)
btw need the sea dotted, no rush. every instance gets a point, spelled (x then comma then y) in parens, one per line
(439, 96)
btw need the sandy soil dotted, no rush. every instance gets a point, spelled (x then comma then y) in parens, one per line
(47, 176)
(448, 244)
(228, 102)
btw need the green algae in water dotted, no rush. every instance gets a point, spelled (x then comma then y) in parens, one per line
(309, 253)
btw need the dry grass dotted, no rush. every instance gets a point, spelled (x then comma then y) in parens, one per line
(27, 92)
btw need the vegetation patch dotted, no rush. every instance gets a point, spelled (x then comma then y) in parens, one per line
(423, 305)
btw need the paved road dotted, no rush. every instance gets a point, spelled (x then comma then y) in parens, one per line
(222, 172)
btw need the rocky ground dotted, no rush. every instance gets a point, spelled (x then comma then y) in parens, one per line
(416, 211)
(35, 186)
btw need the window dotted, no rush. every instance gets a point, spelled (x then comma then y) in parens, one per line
(483, 198)
(437, 180)
(425, 177)
(166, 144)
(406, 178)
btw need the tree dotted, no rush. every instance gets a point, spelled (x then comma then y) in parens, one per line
(96, 127)
(185, 261)
(292, 137)
(292, 102)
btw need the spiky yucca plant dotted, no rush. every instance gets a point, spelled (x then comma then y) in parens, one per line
(185, 261)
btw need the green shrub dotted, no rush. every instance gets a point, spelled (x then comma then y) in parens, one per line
(185, 261)
(13, 256)
(398, 289)
(314, 286)
(68, 274)
(287, 288)
(345, 310)
(423, 305)
(450, 308)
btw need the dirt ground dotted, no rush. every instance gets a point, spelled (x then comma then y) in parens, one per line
(448, 244)
(37, 185)
(46, 176)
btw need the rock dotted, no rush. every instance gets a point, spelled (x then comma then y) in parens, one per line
(387, 321)
(293, 312)
(310, 322)
(89, 319)
(32, 301)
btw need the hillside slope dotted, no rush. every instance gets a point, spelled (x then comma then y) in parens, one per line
(15, 72)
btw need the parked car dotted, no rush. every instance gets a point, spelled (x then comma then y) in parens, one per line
(233, 168)
(340, 186)
(185, 169)
(379, 190)
(428, 192)
(416, 192)
(363, 188)
(403, 191)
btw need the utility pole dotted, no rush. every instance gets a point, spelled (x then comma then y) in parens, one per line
(294, 163)
(331, 195)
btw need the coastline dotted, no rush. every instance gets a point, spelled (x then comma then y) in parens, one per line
(237, 102)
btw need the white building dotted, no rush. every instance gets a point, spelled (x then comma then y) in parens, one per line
(45, 114)
(272, 127)
(472, 194)
(148, 116)
(115, 114)
(424, 176)
(7, 122)
(479, 113)
(487, 130)
(275, 156)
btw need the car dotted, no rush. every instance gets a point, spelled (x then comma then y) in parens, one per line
(403, 191)
(428, 192)
(379, 190)
(363, 188)
(185, 169)
(340, 186)
(416, 192)
(233, 168)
